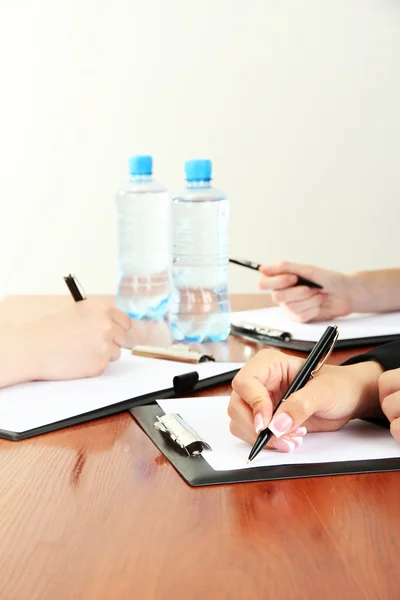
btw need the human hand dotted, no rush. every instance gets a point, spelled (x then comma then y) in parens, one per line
(327, 402)
(389, 396)
(302, 303)
(78, 342)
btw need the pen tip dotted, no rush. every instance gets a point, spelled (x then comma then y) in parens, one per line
(248, 460)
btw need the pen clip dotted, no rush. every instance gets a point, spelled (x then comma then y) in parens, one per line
(75, 287)
(327, 355)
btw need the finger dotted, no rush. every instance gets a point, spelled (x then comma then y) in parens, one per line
(395, 429)
(286, 444)
(294, 294)
(277, 282)
(120, 318)
(240, 412)
(115, 352)
(391, 406)
(389, 382)
(242, 434)
(302, 306)
(119, 336)
(306, 271)
(254, 393)
(305, 317)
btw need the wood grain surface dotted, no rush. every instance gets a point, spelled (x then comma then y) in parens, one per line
(94, 512)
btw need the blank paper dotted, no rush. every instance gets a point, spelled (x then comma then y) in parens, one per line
(29, 405)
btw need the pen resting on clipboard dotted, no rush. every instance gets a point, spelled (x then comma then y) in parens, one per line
(177, 352)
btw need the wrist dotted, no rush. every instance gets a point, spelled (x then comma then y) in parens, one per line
(365, 376)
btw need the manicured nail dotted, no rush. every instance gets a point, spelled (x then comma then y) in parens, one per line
(258, 422)
(297, 440)
(300, 431)
(284, 445)
(281, 424)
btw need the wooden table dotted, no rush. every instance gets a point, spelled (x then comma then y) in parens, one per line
(95, 512)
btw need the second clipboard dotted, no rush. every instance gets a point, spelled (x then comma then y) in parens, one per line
(281, 339)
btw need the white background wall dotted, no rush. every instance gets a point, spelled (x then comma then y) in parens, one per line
(296, 101)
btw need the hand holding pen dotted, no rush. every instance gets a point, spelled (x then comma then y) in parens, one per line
(326, 402)
(315, 361)
(301, 302)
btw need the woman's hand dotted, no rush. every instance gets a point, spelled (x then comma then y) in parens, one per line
(78, 342)
(389, 395)
(327, 402)
(302, 303)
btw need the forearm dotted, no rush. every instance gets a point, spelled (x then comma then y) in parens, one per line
(16, 356)
(375, 291)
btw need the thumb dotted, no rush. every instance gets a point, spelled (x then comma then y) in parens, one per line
(297, 409)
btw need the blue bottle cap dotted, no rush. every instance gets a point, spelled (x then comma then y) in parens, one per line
(198, 170)
(140, 165)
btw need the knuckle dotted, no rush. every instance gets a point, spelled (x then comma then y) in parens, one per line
(97, 368)
(107, 327)
(104, 350)
(256, 403)
(281, 265)
(231, 410)
(235, 430)
(303, 404)
(237, 382)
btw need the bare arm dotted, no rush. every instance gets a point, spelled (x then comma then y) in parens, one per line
(375, 291)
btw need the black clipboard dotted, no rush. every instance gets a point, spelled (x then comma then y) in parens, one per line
(197, 472)
(280, 341)
(187, 383)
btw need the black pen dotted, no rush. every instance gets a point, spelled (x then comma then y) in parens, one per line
(309, 369)
(75, 288)
(256, 267)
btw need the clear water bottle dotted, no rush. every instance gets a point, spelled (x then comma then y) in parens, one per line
(199, 308)
(143, 207)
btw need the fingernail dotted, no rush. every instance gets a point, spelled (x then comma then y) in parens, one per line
(297, 440)
(300, 431)
(258, 422)
(280, 424)
(284, 445)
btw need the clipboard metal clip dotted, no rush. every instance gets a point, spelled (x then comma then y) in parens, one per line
(181, 434)
(327, 355)
(251, 328)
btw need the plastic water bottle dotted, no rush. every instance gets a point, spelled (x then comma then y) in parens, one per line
(199, 304)
(143, 207)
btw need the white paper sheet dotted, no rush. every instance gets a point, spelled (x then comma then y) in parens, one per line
(208, 416)
(29, 405)
(350, 327)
